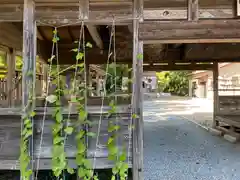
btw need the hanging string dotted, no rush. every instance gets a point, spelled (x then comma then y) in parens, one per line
(45, 109)
(81, 32)
(102, 103)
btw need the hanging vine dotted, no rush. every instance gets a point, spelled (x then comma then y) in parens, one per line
(27, 132)
(59, 161)
(62, 126)
(116, 155)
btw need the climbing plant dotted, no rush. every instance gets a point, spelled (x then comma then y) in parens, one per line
(27, 132)
(64, 126)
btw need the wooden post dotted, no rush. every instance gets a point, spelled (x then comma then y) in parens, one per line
(83, 9)
(193, 12)
(29, 63)
(237, 7)
(137, 136)
(215, 93)
(190, 88)
(10, 75)
(45, 80)
(129, 78)
(88, 79)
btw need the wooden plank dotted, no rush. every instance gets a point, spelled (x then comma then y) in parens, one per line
(29, 63)
(215, 94)
(193, 12)
(178, 67)
(190, 31)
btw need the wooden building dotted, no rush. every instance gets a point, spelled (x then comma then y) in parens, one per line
(171, 35)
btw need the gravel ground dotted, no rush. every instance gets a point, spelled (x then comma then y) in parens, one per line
(177, 149)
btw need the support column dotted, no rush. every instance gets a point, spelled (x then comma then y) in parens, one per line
(97, 85)
(88, 79)
(45, 80)
(129, 79)
(190, 88)
(10, 75)
(29, 65)
(137, 107)
(215, 93)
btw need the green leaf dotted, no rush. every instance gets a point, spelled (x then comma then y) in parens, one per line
(55, 31)
(28, 134)
(56, 128)
(75, 50)
(32, 114)
(95, 178)
(91, 134)
(79, 56)
(89, 45)
(81, 172)
(70, 170)
(27, 121)
(59, 117)
(81, 148)
(87, 164)
(80, 65)
(113, 177)
(113, 128)
(110, 140)
(80, 135)
(57, 140)
(82, 115)
(68, 130)
(123, 157)
(113, 150)
(140, 56)
(114, 170)
(80, 159)
(135, 116)
(51, 98)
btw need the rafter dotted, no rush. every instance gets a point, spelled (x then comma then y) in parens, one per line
(95, 35)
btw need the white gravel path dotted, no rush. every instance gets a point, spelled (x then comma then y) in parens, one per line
(177, 149)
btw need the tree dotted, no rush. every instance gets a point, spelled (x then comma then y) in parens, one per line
(175, 82)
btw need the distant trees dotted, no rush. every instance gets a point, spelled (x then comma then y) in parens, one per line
(175, 82)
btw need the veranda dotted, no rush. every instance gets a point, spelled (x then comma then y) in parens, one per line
(170, 35)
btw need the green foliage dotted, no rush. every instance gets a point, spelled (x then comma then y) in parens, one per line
(115, 71)
(26, 133)
(175, 82)
(114, 154)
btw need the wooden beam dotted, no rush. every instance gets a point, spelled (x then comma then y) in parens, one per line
(188, 67)
(95, 35)
(29, 65)
(71, 34)
(190, 31)
(193, 12)
(67, 13)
